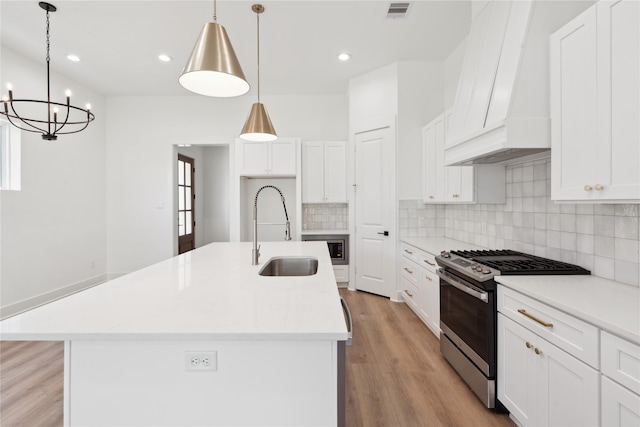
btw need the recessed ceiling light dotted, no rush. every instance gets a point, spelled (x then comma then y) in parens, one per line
(344, 57)
(164, 58)
(73, 58)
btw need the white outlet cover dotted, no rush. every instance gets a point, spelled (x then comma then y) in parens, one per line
(201, 360)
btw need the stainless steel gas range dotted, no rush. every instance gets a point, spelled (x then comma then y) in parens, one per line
(468, 314)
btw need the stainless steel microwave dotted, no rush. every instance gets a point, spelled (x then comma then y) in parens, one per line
(338, 245)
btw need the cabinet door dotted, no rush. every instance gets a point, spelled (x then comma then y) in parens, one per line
(516, 370)
(335, 172)
(282, 157)
(573, 108)
(312, 172)
(620, 407)
(568, 388)
(430, 300)
(433, 136)
(618, 150)
(253, 158)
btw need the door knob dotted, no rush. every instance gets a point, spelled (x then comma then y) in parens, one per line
(384, 233)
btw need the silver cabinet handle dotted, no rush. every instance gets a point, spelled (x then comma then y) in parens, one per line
(429, 262)
(408, 293)
(408, 271)
(408, 251)
(464, 287)
(347, 313)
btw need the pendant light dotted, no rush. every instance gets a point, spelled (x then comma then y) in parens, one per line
(72, 119)
(213, 68)
(258, 126)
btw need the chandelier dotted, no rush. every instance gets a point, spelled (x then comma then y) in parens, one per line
(61, 118)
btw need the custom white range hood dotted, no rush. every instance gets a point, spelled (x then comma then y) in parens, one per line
(501, 110)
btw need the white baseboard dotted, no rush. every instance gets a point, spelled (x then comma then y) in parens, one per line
(28, 304)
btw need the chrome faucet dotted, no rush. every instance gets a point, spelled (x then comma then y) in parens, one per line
(255, 253)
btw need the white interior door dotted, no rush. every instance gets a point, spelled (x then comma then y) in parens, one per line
(375, 211)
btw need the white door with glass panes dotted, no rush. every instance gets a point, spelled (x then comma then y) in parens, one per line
(186, 208)
(375, 211)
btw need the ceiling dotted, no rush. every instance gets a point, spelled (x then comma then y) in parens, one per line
(119, 41)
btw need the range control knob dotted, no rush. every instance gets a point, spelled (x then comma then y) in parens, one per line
(486, 271)
(445, 254)
(478, 268)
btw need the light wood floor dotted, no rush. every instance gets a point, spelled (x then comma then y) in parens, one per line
(396, 376)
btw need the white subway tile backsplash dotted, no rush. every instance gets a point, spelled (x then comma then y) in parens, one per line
(604, 246)
(626, 227)
(626, 250)
(327, 216)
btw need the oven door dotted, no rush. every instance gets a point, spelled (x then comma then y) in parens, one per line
(467, 317)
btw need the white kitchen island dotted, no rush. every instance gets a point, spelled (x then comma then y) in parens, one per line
(271, 343)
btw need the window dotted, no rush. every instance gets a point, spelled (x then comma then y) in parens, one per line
(9, 156)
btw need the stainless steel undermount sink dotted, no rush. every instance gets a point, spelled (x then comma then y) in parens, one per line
(290, 266)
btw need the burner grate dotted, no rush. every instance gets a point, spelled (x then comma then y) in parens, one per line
(510, 262)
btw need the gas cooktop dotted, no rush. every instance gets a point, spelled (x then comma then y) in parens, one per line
(484, 264)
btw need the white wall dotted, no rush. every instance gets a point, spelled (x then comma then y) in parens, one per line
(141, 134)
(373, 97)
(420, 99)
(53, 230)
(452, 70)
(216, 194)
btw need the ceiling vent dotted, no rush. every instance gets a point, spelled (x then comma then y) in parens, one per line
(398, 10)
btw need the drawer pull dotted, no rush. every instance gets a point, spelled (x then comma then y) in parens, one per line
(429, 262)
(429, 278)
(408, 271)
(537, 350)
(408, 293)
(588, 188)
(408, 251)
(598, 187)
(528, 344)
(535, 319)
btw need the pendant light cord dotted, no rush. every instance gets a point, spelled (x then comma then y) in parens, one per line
(215, 12)
(258, 35)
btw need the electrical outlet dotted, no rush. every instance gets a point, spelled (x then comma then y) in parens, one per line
(201, 360)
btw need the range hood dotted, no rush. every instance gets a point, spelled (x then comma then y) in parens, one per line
(502, 111)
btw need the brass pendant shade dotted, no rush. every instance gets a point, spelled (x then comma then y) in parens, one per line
(213, 68)
(258, 126)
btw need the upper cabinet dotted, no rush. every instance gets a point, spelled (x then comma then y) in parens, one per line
(595, 105)
(324, 172)
(456, 184)
(502, 103)
(275, 158)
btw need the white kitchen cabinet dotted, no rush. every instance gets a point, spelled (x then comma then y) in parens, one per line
(456, 184)
(324, 172)
(620, 407)
(342, 274)
(273, 158)
(421, 286)
(595, 105)
(620, 381)
(542, 385)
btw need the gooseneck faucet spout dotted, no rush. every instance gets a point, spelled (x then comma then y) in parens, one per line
(255, 253)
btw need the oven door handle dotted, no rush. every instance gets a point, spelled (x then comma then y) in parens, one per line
(464, 287)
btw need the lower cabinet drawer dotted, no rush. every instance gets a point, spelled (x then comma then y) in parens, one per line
(410, 293)
(341, 272)
(572, 335)
(621, 361)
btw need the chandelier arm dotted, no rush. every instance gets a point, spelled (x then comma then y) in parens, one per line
(66, 119)
(26, 122)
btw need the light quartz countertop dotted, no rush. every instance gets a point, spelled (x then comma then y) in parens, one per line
(609, 305)
(211, 293)
(435, 245)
